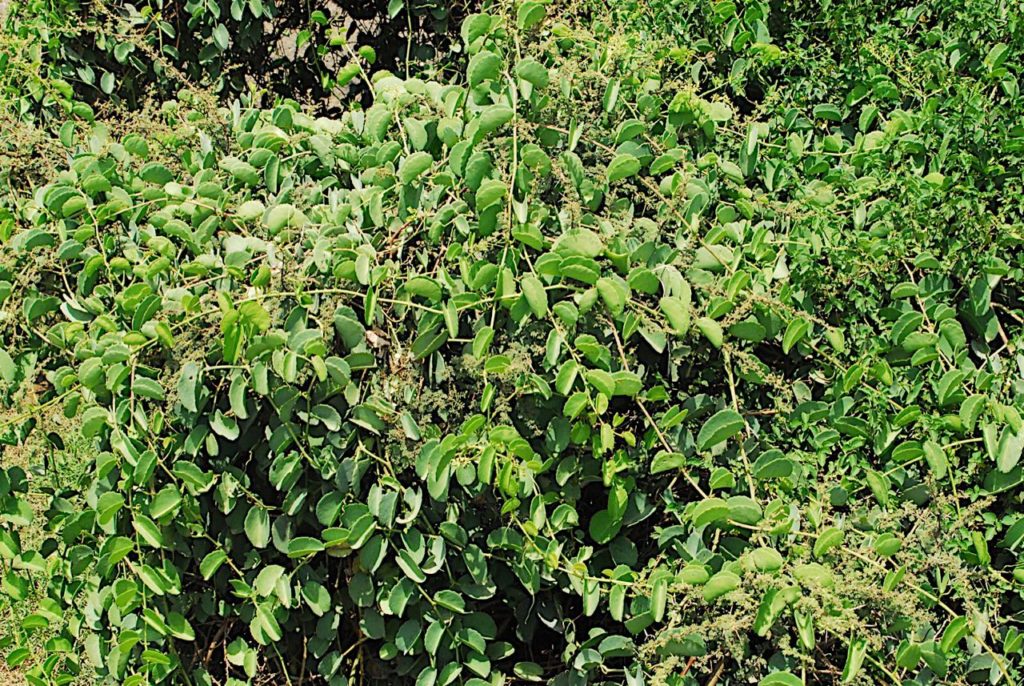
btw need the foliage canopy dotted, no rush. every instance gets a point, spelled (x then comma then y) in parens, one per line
(664, 344)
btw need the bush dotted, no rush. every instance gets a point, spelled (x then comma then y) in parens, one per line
(123, 53)
(571, 370)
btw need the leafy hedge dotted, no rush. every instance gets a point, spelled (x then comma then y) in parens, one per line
(566, 371)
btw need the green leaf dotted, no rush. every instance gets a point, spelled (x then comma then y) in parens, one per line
(887, 545)
(566, 377)
(528, 671)
(627, 383)
(879, 485)
(781, 679)
(935, 455)
(614, 292)
(304, 546)
(576, 403)
(255, 315)
(236, 396)
(708, 511)
(317, 598)
(659, 594)
(744, 510)
(189, 386)
(266, 581)
(450, 600)
(772, 464)
(429, 342)
(221, 37)
(414, 166)
(9, 546)
(257, 527)
(603, 526)
(532, 71)
(957, 629)
(828, 539)
(482, 341)
(723, 425)
(719, 584)
(530, 14)
(490, 193)
(179, 627)
(677, 312)
(211, 563)
(601, 380)
(165, 502)
(711, 329)
(8, 370)
(224, 425)
(148, 531)
(424, 287)
(971, 409)
(156, 173)
(997, 54)
(264, 625)
(483, 66)
(582, 242)
(828, 112)
(328, 416)
(493, 117)
(535, 294)
(623, 166)
(795, 332)
(665, 462)
(935, 658)
(855, 654)
(772, 604)
(1009, 449)
(278, 217)
(408, 565)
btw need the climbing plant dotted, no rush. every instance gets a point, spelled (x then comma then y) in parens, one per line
(608, 360)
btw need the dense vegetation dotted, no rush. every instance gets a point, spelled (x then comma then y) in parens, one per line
(644, 342)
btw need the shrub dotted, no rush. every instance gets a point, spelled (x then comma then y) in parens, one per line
(55, 54)
(567, 370)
